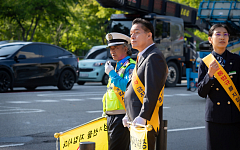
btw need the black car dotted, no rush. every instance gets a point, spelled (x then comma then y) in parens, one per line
(33, 64)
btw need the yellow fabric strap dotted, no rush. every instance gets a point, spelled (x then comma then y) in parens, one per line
(224, 79)
(139, 89)
(120, 95)
(118, 91)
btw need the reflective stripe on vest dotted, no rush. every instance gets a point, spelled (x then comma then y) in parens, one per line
(139, 89)
(224, 79)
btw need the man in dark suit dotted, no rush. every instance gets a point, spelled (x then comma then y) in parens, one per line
(152, 72)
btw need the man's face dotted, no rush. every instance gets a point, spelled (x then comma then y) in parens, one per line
(118, 52)
(139, 37)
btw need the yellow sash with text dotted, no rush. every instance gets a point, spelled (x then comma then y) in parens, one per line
(224, 79)
(120, 95)
(139, 89)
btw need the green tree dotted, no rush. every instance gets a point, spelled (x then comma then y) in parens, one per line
(89, 29)
(74, 25)
(8, 30)
(191, 3)
(26, 15)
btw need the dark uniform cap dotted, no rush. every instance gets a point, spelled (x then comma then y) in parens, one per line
(117, 39)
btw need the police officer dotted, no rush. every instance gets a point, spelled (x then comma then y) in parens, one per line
(222, 114)
(113, 104)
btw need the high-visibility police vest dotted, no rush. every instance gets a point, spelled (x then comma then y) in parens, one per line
(110, 98)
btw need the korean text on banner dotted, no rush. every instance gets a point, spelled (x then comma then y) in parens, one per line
(138, 138)
(93, 131)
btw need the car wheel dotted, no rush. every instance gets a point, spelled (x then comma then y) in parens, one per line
(30, 88)
(105, 79)
(66, 80)
(173, 75)
(5, 81)
(80, 82)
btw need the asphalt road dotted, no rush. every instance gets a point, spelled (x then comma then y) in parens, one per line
(29, 119)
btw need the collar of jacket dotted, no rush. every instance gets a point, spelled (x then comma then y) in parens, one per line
(145, 54)
(229, 60)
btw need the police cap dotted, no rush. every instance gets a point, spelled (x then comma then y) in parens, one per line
(117, 39)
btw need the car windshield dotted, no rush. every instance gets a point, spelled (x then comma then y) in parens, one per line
(121, 27)
(96, 53)
(9, 49)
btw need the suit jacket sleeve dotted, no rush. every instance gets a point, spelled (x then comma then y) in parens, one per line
(154, 80)
(204, 81)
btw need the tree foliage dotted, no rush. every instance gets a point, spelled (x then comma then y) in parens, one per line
(27, 15)
(75, 25)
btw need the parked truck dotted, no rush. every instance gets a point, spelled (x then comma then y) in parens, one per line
(212, 12)
(170, 21)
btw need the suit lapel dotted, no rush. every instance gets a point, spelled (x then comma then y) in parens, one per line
(145, 54)
(143, 57)
(140, 60)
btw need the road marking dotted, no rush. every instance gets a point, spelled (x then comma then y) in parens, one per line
(22, 111)
(46, 101)
(18, 102)
(76, 100)
(100, 98)
(194, 94)
(98, 111)
(167, 95)
(17, 110)
(184, 129)
(70, 94)
(73, 100)
(183, 94)
(11, 145)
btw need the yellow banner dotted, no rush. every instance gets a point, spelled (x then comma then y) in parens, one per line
(139, 89)
(138, 138)
(224, 79)
(93, 131)
(120, 95)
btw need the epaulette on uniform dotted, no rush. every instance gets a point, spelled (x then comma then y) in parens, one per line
(126, 62)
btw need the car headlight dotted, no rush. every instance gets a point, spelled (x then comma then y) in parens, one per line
(98, 64)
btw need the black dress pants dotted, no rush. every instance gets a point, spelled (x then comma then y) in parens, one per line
(119, 136)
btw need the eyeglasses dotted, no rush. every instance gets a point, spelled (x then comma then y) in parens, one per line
(220, 35)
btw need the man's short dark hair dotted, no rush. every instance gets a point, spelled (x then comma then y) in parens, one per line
(146, 25)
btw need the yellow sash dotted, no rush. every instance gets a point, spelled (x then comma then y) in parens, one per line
(120, 95)
(139, 89)
(224, 79)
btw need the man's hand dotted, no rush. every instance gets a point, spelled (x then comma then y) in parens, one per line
(124, 121)
(108, 67)
(139, 120)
